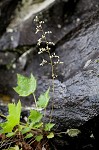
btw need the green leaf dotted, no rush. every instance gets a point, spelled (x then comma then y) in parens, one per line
(10, 134)
(39, 137)
(13, 118)
(28, 136)
(43, 99)
(25, 130)
(51, 135)
(38, 125)
(49, 126)
(26, 85)
(35, 116)
(13, 148)
(97, 61)
(21, 127)
(73, 132)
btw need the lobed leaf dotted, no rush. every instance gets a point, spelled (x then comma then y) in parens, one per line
(10, 134)
(25, 130)
(26, 85)
(51, 135)
(13, 118)
(38, 125)
(43, 100)
(29, 135)
(73, 132)
(39, 137)
(49, 126)
(35, 116)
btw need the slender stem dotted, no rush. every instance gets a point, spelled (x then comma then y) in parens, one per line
(60, 133)
(52, 70)
(40, 28)
(35, 100)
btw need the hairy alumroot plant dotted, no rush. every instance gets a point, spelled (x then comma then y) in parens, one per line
(53, 59)
(33, 132)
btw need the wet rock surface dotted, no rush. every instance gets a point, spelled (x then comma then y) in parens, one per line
(7, 8)
(20, 29)
(76, 37)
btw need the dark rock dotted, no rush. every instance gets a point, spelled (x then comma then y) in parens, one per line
(79, 73)
(20, 29)
(62, 19)
(9, 40)
(7, 8)
(7, 58)
(23, 31)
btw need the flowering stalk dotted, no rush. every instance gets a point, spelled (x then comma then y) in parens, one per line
(53, 58)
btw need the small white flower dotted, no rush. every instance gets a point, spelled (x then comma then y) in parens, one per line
(43, 62)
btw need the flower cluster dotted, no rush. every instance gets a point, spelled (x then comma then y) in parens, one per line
(53, 58)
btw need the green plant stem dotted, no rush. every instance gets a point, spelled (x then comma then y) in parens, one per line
(52, 72)
(60, 133)
(51, 61)
(35, 100)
